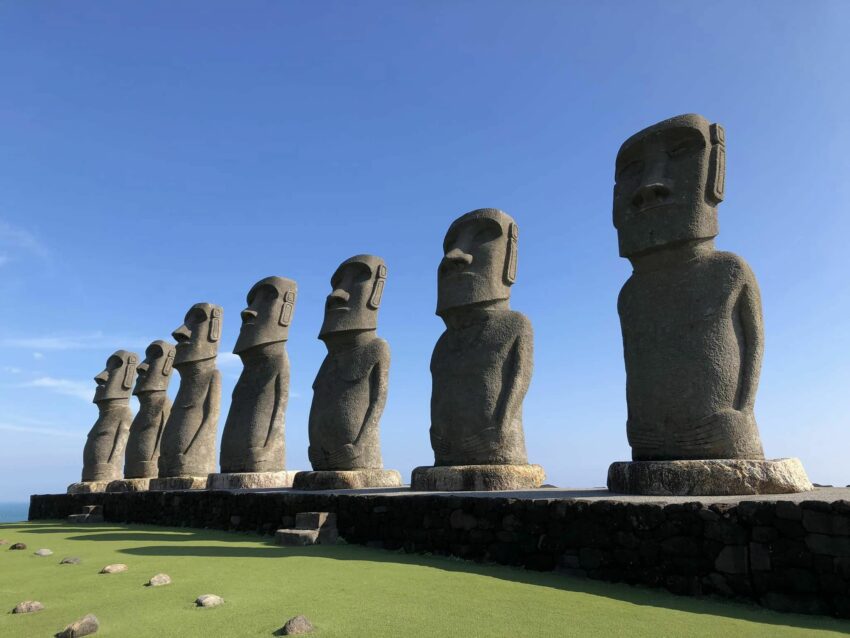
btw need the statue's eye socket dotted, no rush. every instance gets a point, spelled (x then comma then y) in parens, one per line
(630, 170)
(680, 150)
(487, 232)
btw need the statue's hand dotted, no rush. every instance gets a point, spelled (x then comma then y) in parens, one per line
(343, 456)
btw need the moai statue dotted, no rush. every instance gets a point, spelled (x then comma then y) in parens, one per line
(187, 451)
(142, 457)
(481, 366)
(253, 452)
(350, 389)
(104, 450)
(691, 323)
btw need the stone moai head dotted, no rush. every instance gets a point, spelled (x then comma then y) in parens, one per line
(198, 337)
(479, 259)
(358, 285)
(116, 380)
(669, 181)
(155, 371)
(271, 302)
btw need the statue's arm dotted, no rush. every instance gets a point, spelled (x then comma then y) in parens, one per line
(281, 397)
(516, 377)
(212, 402)
(121, 433)
(378, 383)
(752, 332)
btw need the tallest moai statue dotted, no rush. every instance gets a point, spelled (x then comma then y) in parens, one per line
(691, 323)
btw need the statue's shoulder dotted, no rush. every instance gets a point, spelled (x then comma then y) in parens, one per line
(356, 364)
(513, 322)
(730, 265)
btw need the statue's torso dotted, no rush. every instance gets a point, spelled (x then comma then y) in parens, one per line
(145, 435)
(192, 422)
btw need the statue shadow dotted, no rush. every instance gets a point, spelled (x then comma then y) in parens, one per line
(635, 595)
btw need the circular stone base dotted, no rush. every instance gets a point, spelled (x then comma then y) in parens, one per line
(129, 485)
(711, 477)
(249, 480)
(87, 487)
(476, 478)
(346, 479)
(171, 483)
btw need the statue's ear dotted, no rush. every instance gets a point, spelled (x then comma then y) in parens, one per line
(169, 363)
(378, 289)
(129, 372)
(717, 164)
(215, 324)
(287, 309)
(511, 255)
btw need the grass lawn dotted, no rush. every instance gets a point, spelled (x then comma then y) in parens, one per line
(345, 590)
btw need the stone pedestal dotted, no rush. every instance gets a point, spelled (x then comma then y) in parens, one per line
(170, 483)
(129, 485)
(250, 480)
(87, 487)
(714, 477)
(476, 478)
(346, 479)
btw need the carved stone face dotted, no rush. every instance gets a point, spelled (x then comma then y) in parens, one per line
(669, 181)
(480, 258)
(271, 302)
(197, 339)
(155, 371)
(358, 285)
(116, 380)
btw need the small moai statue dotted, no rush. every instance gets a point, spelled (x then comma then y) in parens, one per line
(253, 451)
(481, 366)
(350, 389)
(141, 461)
(691, 322)
(187, 450)
(104, 450)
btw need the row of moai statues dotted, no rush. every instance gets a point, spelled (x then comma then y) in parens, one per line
(692, 340)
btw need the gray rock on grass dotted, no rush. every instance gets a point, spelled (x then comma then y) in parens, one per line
(86, 626)
(27, 607)
(43, 552)
(70, 560)
(296, 626)
(18, 546)
(159, 580)
(209, 600)
(115, 568)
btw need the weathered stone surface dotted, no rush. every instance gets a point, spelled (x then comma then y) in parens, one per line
(170, 483)
(346, 479)
(482, 364)
(86, 626)
(103, 454)
(115, 568)
(708, 477)
(350, 389)
(189, 437)
(250, 480)
(27, 607)
(477, 478)
(70, 560)
(733, 559)
(88, 487)
(143, 444)
(315, 520)
(296, 626)
(43, 552)
(130, 485)
(296, 537)
(253, 438)
(18, 546)
(159, 580)
(209, 600)
(690, 316)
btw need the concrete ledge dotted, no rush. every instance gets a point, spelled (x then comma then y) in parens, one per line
(88, 487)
(346, 479)
(714, 477)
(472, 478)
(129, 485)
(250, 480)
(171, 483)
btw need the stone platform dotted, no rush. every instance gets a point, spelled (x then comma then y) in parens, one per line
(346, 479)
(789, 552)
(250, 480)
(712, 477)
(476, 478)
(88, 487)
(129, 485)
(171, 483)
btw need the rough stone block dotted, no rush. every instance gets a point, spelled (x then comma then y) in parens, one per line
(455, 478)
(346, 479)
(315, 520)
(129, 485)
(250, 480)
(733, 559)
(296, 537)
(172, 483)
(88, 487)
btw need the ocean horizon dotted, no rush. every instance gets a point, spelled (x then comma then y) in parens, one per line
(14, 512)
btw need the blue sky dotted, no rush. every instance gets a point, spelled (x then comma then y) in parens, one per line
(158, 154)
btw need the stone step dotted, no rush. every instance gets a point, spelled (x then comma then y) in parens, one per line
(296, 537)
(97, 510)
(315, 520)
(85, 518)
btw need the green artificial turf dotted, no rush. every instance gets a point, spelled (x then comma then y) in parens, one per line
(345, 590)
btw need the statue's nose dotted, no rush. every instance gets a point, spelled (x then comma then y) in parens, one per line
(338, 297)
(182, 334)
(248, 315)
(650, 194)
(142, 368)
(456, 255)
(102, 378)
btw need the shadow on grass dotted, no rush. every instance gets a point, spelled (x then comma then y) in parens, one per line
(187, 542)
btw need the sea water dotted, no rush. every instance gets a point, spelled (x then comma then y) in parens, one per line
(13, 512)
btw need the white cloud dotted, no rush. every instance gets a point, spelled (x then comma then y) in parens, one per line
(84, 341)
(12, 370)
(4, 259)
(80, 389)
(37, 355)
(28, 429)
(228, 360)
(15, 238)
